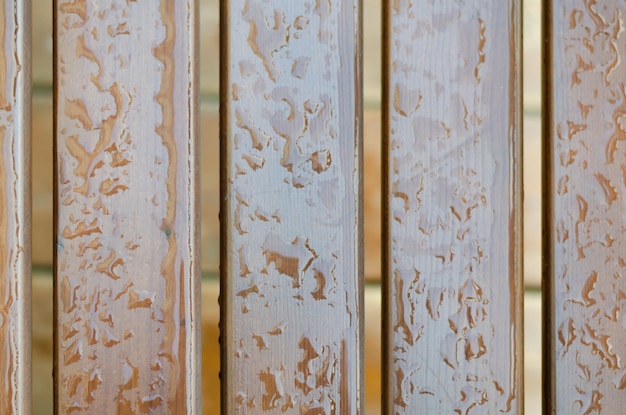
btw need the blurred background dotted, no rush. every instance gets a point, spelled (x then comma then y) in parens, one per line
(42, 138)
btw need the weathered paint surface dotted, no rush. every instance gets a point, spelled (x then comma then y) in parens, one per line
(291, 265)
(586, 207)
(126, 223)
(453, 231)
(14, 208)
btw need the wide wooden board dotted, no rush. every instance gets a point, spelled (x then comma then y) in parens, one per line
(291, 207)
(126, 230)
(452, 261)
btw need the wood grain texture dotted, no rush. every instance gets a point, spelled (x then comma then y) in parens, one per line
(126, 230)
(15, 339)
(291, 207)
(585, 207)
(452, 208)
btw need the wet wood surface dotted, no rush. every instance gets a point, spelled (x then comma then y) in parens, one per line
(585, 221)
(209, 47)
(291, 251)
(126, 225)
(452, 208)
(15, 389)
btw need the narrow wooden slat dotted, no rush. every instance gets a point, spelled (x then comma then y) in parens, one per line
(126, 230)
(14, 207)
(291, 207)
(452, 208)
(585, 207)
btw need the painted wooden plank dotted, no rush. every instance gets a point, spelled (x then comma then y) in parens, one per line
(291, 207)
(585, 220)
(452, 208)
(126, 230)
(15, 343)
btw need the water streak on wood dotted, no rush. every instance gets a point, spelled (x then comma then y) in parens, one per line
(452, 203)
(126, 224)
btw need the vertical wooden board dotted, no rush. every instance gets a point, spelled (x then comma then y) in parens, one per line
(452, 214)
(127, 269)
(585, 207)
(291, 207)
(14, 207)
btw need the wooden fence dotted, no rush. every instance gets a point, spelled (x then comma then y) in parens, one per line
(127, 202)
